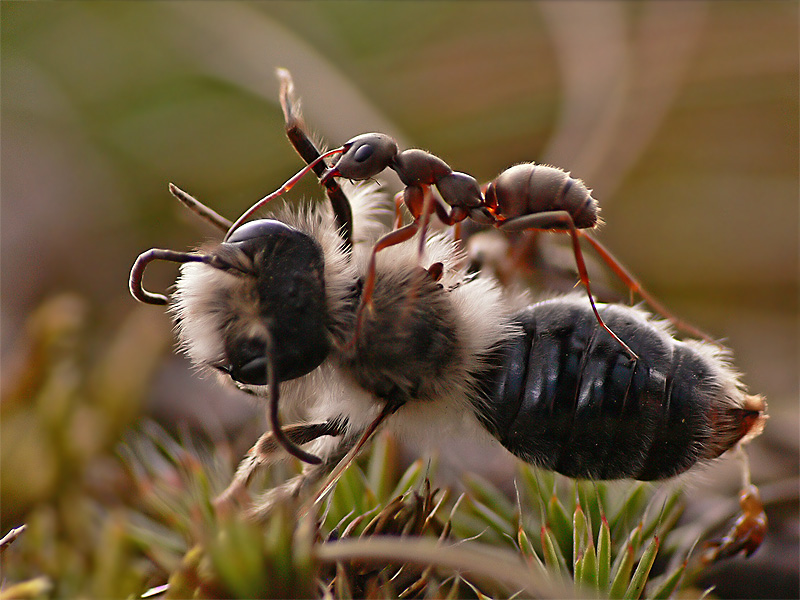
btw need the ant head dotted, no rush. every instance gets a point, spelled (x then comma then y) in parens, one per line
(363, 156)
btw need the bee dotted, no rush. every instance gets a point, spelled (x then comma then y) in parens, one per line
(277, 309)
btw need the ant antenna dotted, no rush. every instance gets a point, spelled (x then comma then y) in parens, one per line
(280, 191)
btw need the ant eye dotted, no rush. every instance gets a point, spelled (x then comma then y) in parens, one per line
(363, 153)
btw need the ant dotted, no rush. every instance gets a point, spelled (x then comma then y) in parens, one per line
(526, 196)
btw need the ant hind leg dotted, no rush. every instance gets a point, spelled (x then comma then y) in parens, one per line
(562, 220)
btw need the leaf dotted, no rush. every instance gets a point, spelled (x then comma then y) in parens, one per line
(639, 579)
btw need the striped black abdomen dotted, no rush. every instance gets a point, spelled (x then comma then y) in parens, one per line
(565, 396)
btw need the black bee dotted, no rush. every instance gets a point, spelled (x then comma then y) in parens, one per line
(274, 309)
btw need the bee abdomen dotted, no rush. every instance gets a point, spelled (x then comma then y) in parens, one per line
(565, 396)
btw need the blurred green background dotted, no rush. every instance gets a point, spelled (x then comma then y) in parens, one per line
(682, 116)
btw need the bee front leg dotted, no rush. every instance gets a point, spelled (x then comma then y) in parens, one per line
(295, 486)
(335, 462)
(267, 451)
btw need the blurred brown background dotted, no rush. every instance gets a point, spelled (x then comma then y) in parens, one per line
(682, 116)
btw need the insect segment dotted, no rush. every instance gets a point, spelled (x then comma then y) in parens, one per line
(563, 395)
(278, 299)
(271, 309)
(526, 196)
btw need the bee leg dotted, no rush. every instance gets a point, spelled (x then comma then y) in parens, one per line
(267, 451)
(295, 486)
(354, 447)
(560, 220)
(749, 529)
(745, 535)
(295, 131)
(334, 465)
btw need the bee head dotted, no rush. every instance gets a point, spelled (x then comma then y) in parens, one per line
(256, 298)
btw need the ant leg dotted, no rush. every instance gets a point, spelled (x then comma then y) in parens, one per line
(201, 209)
(295, 131)
(398, 236)
(425, 220)
(398, 215)
(636, 288)
(267, 451)
(290, 183)
(422, 203)
(560, 219)
(457, 234)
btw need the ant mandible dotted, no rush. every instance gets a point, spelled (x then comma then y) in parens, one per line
(526, 196)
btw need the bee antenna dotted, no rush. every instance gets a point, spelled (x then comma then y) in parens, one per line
(274, 420)
(199, 208)
(305, 147)
(145, 258)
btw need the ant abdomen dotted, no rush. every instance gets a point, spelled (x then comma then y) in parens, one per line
(564, 396)
(529, 188)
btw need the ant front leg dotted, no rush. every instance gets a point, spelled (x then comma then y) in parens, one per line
(421, 203)
(398, 214)
(392, 238)
(562, 220)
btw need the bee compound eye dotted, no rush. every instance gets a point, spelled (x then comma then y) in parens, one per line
(253, 372)
(257, 229)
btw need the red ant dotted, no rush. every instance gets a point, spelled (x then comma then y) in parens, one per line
(527, 196)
